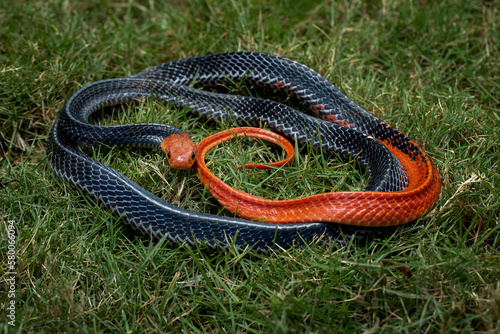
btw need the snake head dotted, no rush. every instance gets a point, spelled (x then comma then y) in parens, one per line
(180, 150)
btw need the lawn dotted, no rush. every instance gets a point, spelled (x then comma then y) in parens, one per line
(428, 68)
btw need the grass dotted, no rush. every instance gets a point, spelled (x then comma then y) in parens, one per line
(428, 68)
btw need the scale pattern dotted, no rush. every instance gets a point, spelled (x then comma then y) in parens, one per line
(396, 164)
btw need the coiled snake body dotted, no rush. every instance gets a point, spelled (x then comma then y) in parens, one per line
(403, 185)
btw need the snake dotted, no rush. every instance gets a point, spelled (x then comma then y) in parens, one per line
(403, 185)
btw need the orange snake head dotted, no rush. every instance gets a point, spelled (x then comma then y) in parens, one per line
(180, 150)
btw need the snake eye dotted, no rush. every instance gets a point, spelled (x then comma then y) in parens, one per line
(169, 155)
(193, 155)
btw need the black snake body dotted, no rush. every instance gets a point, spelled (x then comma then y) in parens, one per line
(171, 82)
